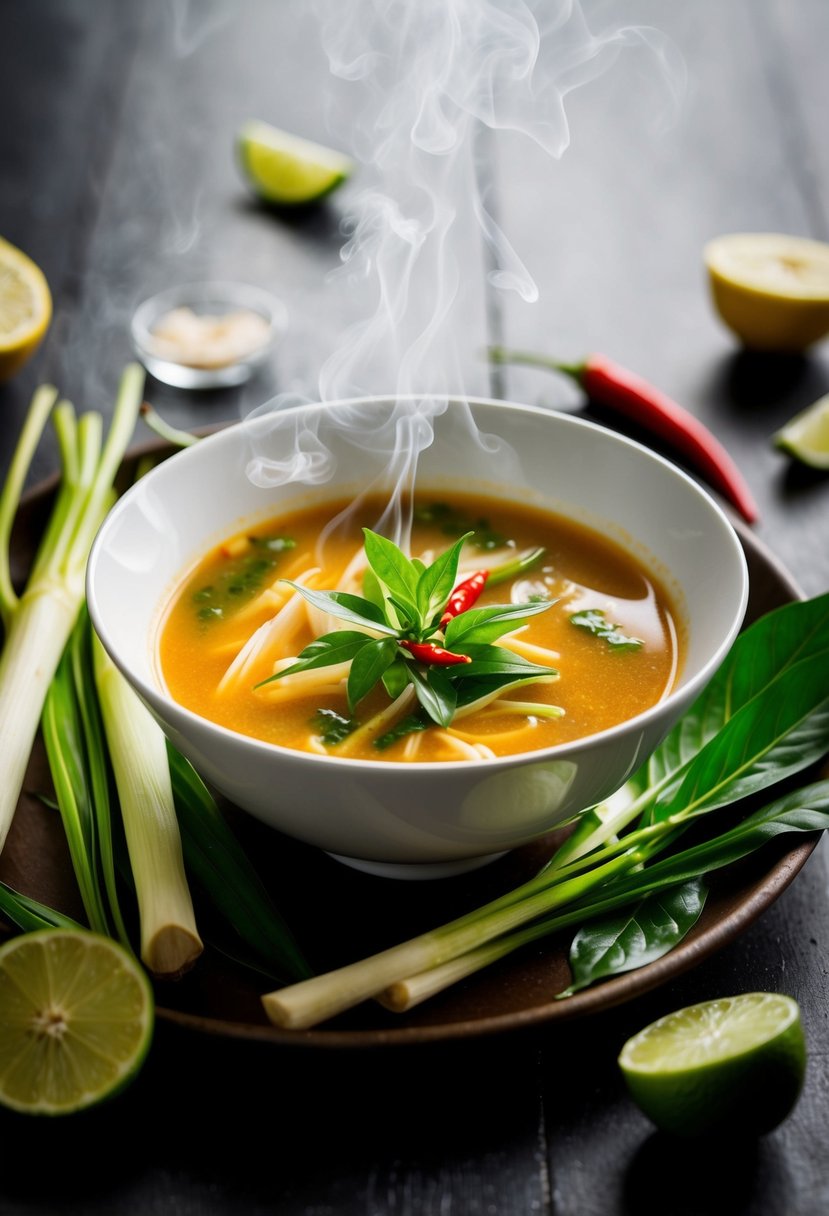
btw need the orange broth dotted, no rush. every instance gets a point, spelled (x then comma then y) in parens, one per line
(236, 589)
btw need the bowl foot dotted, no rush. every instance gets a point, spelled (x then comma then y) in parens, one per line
(419, 869)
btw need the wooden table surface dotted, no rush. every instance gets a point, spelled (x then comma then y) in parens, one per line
(117, 176)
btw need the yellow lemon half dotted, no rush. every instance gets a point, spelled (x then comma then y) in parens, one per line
(770, 289)
(25, 309)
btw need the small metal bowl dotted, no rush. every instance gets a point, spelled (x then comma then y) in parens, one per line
(212, 299)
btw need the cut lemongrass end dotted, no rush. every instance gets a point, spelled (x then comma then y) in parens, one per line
(159, 426)
(170, 942)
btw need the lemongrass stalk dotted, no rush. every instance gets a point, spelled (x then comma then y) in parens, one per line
(39, 623)
(36, 419)
(170, 941)
(316, 1000)
(164, 429)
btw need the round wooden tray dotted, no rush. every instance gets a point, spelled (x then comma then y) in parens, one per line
(339, 914)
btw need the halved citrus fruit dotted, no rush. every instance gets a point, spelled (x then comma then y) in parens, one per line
(733, 1066)
(770, 289)
(25, 309)
(76, 1020)
(286, 170)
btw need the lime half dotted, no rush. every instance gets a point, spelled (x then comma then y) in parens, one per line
(770, 289)
(287, 170)
(806, 436)
(734, 1065)
(76, 1020)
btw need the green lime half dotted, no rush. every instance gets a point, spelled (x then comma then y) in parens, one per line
(806, 436)
(287, 170)
(734, 1065)
(76, 1020)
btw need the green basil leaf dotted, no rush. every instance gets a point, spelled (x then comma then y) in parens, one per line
(482, 687)
(435, 693)
(495, 660)
(332, 727)
(437, 581)
(338, 647)
(367, 668)
(628, 940)
(394, 570)
(395, 678)
(372, 589)
(594, 621)
(351, 608)
(487, 624)
(407, 726)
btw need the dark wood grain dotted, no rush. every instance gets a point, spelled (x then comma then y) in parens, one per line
(117, 175)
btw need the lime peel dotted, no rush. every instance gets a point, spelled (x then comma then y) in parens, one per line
(76, 1020)
(732, 1065)
(286, 169)
(806, 435)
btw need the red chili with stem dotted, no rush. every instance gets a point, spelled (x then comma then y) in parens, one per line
(430, 652)
(613, 386)
(464, 596)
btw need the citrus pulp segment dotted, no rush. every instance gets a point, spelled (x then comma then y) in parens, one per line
(806, 436)
(76, 1020)
(770, 289)
(25, 308)
(286, 170)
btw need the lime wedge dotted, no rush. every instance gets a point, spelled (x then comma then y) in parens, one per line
(806, 436)
(76, 1020)
(770, 289)
(734, 1065)
(287, 170)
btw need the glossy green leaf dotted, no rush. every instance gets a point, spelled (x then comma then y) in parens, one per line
(351, 608)
(435, 693)
(496, 661)
(771, 737)
(761, 654)
(338, 647)
(628, 940)
(437, 582)
(482, 626)
(368, 666)
(391, 566)
(595, 622)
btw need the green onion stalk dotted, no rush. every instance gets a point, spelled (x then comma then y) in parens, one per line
(39, 621)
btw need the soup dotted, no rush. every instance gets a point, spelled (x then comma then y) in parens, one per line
(601, 636)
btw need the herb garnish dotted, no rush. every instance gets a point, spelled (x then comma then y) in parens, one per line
(399, 637)
(240, 577)
(595, 622)
(332, 727)
(454, 523)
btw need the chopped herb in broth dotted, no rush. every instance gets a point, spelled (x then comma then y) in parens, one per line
(595, 622)
(331, 728)
(248, 561)
(408, 726)
(350, 646)
(453, 522)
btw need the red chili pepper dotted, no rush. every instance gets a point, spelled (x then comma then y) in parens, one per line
(464, 596)
(619, 389)
(430, 652)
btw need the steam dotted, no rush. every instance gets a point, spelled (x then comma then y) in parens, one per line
(433, 79)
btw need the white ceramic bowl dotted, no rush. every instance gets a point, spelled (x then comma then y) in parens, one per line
(427, 818)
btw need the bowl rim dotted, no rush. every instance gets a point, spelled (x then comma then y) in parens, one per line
(154, 693)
